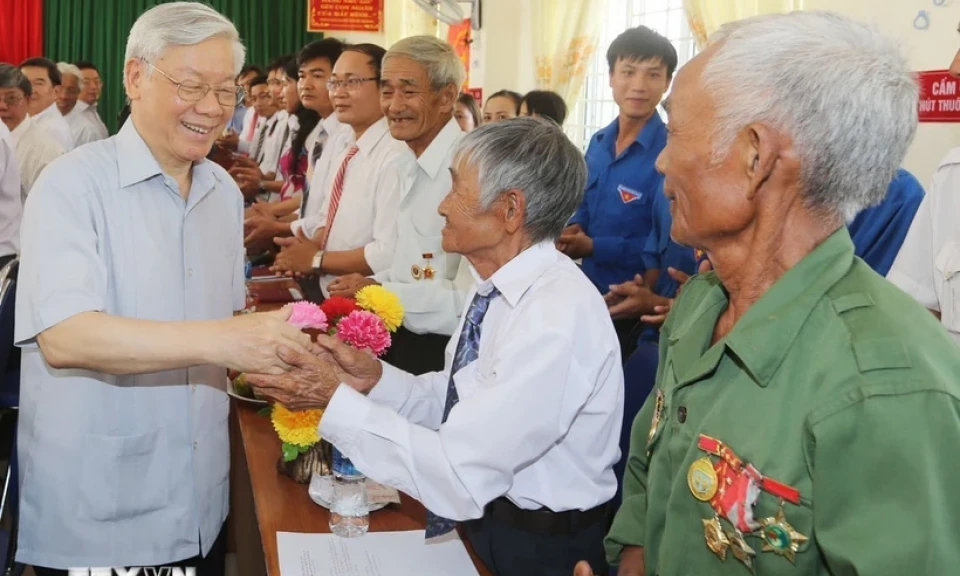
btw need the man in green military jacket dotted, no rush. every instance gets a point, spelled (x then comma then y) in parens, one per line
(806, 418)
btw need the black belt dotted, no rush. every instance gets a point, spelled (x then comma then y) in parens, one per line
(544, 521)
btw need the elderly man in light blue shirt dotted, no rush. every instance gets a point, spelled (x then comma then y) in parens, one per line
(132, 267)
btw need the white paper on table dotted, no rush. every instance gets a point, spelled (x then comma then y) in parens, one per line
(374, 554)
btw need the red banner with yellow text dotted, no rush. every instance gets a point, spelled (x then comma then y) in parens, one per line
(344, 15)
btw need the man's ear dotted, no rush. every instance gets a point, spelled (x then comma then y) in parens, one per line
(513, 208)
(759, 150)
(134, 78)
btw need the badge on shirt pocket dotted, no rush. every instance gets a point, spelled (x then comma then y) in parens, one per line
(628, 195)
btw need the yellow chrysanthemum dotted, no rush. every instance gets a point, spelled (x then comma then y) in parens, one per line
(383, 303)
(296, 427)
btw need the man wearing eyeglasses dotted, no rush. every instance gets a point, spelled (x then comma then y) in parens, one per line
(355, 229)
(45, 79)
(90, 94)
(83, 125)
(33, 146)
(131, 270)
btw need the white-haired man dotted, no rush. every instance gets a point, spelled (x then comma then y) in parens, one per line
(83, 125)
(419, 86)
(132, 267)
(807, 412)
(517, 436)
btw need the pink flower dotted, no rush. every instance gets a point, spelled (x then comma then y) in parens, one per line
(362, 329)
(307, 315)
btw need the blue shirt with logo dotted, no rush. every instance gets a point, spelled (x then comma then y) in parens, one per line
(617, 206)
(879, 231)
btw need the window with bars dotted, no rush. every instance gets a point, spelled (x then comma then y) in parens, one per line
(595, 108)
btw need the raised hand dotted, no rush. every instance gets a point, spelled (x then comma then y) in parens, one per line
(310, 382)
(251, 342)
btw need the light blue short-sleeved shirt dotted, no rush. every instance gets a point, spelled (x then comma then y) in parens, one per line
(124, 470)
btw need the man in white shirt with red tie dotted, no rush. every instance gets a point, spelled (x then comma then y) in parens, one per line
(518, 435)
(356, 228)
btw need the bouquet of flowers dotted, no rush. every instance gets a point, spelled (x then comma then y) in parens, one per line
(364, 322)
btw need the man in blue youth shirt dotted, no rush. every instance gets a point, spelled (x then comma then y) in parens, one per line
(612, 223)
(879, 231)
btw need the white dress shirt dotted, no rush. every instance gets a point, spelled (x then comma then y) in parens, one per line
(95, 115)
(367, 215)
(539, 413)
(928, 264)
(249, 117)
(124, 470)
(274, 132)
(11, 203)
(52, 121)
(431, 305)
(84, 124)
(35, 148)
(337, 137)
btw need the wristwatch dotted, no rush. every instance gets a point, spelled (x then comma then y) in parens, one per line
(317, 260)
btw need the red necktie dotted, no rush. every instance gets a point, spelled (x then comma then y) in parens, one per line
(336, 194)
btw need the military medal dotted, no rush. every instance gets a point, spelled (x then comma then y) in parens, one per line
(657, 413)
(716, 540)
(702, 479)
(780, 537)
(740, 549)
(428, 271)
(416, 272)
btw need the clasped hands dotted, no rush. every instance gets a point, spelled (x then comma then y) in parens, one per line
(315, 374)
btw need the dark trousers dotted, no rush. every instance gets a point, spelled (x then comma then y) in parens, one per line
(628, 330)
(508, 551)
(214, 564)
(417, 353)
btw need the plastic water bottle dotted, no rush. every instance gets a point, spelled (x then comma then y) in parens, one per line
(349, 511)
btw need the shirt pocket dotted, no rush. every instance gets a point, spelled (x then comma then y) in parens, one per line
(123, 477)
(467, 380)
(948, 267)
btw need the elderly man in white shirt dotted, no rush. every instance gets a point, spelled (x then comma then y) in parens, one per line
(928, 264)
(356, 228)
(45, 79)
(518, 435)
(34, 146)
(11, 205)
(82, 121)
(131, 270)
(420, 82)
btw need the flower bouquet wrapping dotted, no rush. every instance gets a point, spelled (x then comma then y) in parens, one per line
(364, 322)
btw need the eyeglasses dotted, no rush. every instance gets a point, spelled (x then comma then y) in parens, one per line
(11, 99)
(351, 84)
(194, 92)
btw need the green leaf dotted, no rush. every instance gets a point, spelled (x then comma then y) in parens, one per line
(265, 411)
(290, 452)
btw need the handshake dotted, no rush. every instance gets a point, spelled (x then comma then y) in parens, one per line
(283, 365)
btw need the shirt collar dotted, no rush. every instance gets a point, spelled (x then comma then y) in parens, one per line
(646, 136)
(514, 278)
(331, 124)
(436, 154)
(372, 136)
(20, 130)
(81, 106)
(49, 111)
(764, 335)
(136, 163)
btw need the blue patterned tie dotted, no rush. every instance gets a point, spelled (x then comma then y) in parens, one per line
(467, 349)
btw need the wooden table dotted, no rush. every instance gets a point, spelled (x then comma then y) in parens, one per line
(264, 502)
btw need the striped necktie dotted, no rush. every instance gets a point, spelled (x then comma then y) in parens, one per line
(314, 156)
(468, 348)
(336, 194)
(258, 148)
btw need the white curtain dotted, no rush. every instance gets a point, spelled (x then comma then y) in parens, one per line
(706, 16)
(565, 35)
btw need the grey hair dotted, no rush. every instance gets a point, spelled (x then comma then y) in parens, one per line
(180, 24)
(441, 62)
(532, 155)
(11, 77)
(841, 89)
(68, 68)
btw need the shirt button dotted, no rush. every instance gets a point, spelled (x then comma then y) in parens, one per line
(682, 414)
(194, 445)
(190, 272)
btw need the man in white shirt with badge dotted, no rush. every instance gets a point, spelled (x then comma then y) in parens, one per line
(11, 205)
(45, 79)
(419, 86)
(518, 435)
(132, 267)
(928, 264)
(34, 146)
(356, 228)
